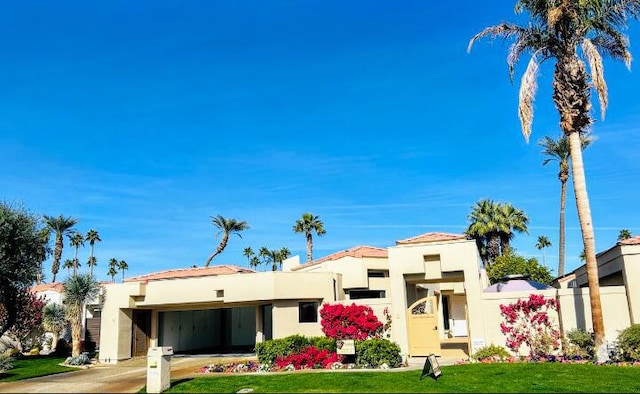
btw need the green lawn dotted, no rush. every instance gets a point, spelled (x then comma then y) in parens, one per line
(484, 378)
(34, 366)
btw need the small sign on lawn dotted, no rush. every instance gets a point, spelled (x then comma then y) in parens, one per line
(431, 367)
(345, 346)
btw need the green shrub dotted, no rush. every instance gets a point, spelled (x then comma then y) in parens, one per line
(375, 352)
(63, 348)
(581, 343)
(6, 362)
(629, 342)
(323, 343)
(268, 351)
(490, 352)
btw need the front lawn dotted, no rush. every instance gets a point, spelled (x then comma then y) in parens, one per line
(34, 366)
(485, 378)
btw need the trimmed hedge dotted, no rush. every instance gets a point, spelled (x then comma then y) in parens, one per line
(629, 342)
(268, 351)
(372, 353)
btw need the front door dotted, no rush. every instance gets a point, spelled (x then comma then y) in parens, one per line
(141, 331)
(422, 319)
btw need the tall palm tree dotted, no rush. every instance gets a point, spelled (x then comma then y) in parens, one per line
(60, 226)
(558, 150)
(54, 321)
(114, 264)
(68, 265)
(543, 242)
(92, 262)
(123, 266)
(252, 259)
(624, 234)
(77, 290)
(226, 226)
(492, 226)
(45, 234)
(571, 32)
(274, 257)
(76, 240)
(92, 237)
(307, 225)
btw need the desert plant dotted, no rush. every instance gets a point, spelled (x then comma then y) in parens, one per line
(581, 343)
(491, 351)
(81, 359)
(629, 342)
(375, 352)
(6, 362)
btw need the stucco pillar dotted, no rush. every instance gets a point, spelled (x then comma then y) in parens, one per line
(259, 324)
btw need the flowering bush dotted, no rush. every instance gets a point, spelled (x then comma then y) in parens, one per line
(309, 358)
(528, 322)
(349, 322)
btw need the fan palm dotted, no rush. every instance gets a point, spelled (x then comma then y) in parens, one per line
(558, 150)
(307, 225)
(543, 242)
(570, 32)
(123, 266)
(274, 257)
(92, 237)
(77, 290)
(54, 321)
(68, 265)
(60, 226)
(76, 240)
(113, 268)
(226, 226)
(624, 234)
(492, 227)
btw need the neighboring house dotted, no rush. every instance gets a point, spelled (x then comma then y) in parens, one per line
(91, 315)
(433, 286)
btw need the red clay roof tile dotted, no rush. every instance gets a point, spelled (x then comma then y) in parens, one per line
(431, 237)
(356, 251)
(630, 241)
(190, 273)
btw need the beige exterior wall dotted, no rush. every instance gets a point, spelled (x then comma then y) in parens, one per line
(458, 262)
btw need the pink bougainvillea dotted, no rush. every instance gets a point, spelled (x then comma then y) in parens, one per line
(309, 358)
(349, 322)
(527, 322)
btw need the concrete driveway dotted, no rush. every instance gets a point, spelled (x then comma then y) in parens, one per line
(125, 377)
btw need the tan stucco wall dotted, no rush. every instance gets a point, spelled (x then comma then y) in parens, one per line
(458, 259)
(285, 320)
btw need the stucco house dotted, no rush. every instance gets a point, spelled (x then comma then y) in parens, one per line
(431, 284)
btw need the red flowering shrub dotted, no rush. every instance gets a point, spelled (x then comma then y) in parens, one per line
(309, 358)
(527, 322)
(349, 322)
(29, 317)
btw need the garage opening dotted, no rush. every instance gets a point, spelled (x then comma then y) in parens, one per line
(222, 330)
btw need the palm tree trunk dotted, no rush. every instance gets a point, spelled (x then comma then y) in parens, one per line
(309, 247)
(91, 258)
(76, 335)
(563, 203)
(57, 255)
(586, 225)
(219, 249)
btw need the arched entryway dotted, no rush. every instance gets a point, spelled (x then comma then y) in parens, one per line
(422, 325)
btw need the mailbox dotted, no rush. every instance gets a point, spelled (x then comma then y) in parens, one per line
(159, 369)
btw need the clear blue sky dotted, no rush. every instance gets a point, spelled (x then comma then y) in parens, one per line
(144, 118)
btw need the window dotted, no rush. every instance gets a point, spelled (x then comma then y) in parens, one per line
(360, 294)
(377, 274)
(308, 312)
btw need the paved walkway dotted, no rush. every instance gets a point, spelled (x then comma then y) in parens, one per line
(129, 376)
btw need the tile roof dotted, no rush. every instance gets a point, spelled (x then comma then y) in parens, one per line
(57, 287)
(431, 237)
(356, 251)
(630, 241)
(190, 273)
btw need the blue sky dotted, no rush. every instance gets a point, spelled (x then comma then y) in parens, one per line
(143, 119)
